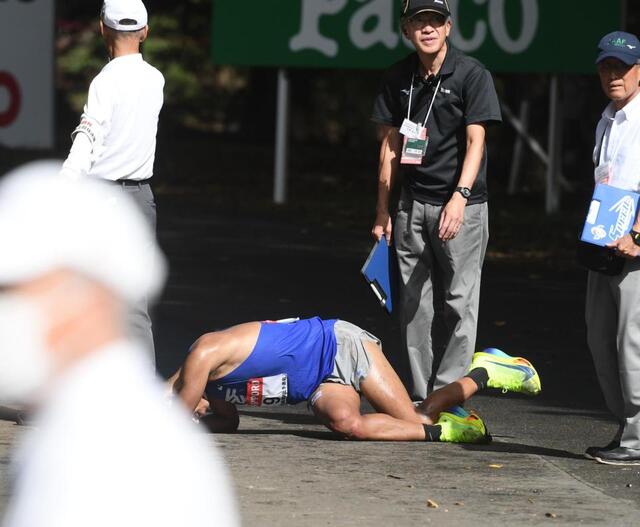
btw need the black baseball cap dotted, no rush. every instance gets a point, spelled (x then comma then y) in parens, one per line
(619, 45)
(413, 7)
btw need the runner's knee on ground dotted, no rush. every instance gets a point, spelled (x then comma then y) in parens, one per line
(338, 407)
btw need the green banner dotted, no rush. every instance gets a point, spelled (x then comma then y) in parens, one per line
(522, 36)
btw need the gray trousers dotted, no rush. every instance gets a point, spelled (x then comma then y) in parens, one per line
(613, 335)
(439, 292)
(139, 318)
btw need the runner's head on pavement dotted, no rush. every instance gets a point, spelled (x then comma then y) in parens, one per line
(75, 255)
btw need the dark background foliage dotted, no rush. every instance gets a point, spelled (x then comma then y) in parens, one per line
(217, 129)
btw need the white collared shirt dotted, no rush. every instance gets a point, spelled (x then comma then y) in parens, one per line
(618, 143)
(123, 106)
(109, 451)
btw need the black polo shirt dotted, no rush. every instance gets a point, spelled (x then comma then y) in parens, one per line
(466, 96)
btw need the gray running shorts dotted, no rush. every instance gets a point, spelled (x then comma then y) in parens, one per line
(352, 362)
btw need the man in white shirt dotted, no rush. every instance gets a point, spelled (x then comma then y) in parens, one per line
(613, 302)
(116, 138)
(108, 449)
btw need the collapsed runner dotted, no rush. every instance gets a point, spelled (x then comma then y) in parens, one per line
(329, 363)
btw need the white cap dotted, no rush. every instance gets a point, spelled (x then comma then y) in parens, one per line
(50, 222)
(124, 15)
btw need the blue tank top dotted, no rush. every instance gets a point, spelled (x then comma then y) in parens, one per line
(287, 364)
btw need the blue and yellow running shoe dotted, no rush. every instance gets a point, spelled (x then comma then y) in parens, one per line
(507, 373)
(459, 426)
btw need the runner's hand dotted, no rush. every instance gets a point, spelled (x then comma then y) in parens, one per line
(203, 408)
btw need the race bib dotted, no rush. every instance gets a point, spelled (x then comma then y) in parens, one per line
(262, 391)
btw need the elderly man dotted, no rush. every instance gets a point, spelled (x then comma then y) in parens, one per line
(433, 109)
(116, 138)
(613, 302)
(75, 255)
(329, 363)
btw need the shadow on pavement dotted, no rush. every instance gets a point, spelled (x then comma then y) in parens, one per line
(564, 412)
(287, 418)
(519, 448)
(308, 434)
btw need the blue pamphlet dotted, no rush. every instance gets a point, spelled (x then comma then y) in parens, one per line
(611, 215)
(380, 272)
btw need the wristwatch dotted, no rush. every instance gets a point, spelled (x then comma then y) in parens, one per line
(635, 236)
(466, 193)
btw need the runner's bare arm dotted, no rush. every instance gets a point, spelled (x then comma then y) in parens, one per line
(193, 376)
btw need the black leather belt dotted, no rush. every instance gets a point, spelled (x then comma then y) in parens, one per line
(131, 182)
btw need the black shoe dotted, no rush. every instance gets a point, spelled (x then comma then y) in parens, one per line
(619, 456)
(593, 451)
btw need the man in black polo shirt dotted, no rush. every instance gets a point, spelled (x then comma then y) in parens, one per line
(433, 108)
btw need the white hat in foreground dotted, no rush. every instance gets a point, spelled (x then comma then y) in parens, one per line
(124, 15)
(49, 222)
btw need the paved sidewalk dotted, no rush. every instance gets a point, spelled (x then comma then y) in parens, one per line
(290, 470)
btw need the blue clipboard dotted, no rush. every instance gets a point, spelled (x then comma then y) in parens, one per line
(612, 213)
(380, 272)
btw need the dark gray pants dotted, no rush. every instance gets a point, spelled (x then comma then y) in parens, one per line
(139, 318)
(613, 335)
(439, 292)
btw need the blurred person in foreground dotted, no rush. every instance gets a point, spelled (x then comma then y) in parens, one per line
(613, 302)
(107, 450)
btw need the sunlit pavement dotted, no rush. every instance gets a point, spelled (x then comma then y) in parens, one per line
(288, 468)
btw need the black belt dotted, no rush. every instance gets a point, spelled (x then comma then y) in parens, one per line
(131, 182)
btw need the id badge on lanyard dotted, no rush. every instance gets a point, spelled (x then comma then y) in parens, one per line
(416, 137)
(415, 148)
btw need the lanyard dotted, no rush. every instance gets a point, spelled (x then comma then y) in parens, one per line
(601, 144)
(424, 124)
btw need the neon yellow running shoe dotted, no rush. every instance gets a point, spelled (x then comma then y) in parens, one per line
(460, 426)
(507, 373)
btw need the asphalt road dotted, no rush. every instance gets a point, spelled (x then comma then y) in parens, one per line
(287, 468)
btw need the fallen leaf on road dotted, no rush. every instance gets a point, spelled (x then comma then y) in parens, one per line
(393, 476)
(530, 500)
(459, 503)
(495, 465)
(551, 515)
(432, 504)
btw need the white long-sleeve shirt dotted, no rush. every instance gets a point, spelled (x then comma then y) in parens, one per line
(122, 107)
